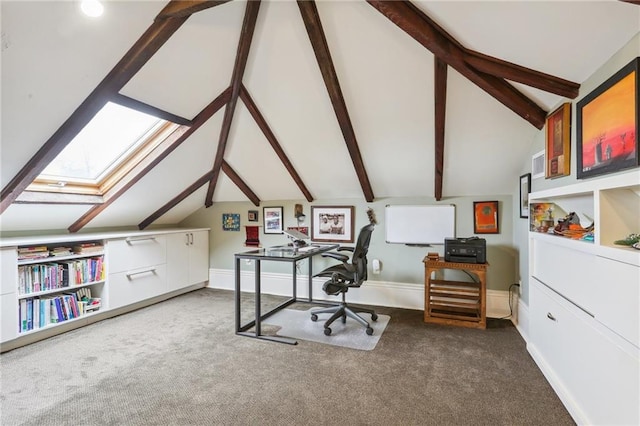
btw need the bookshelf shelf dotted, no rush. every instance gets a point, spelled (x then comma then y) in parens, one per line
(54, 259)
(59, 290)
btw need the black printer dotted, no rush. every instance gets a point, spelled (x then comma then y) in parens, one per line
(465, 250)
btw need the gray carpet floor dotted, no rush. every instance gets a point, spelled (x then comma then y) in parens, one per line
(179, 363)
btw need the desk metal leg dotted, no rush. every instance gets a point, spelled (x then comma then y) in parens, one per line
(310, 261)
(257, 295)
(238, 295)
(295, 280)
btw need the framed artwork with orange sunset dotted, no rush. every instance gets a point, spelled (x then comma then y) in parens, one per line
(607, 125)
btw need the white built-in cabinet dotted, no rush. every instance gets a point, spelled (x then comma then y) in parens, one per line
(139, 268)
(584, 301)
(187, 258)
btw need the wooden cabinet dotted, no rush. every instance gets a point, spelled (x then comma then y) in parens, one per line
(461, 303)
(135, 270)
(584, 301)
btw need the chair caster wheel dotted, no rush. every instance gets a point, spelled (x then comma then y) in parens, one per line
(327, 331)
(369, 331)
(314, 317)
(374, 317)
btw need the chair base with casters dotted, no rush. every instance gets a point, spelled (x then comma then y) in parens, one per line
(343, 311)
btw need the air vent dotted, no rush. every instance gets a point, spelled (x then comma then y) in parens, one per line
(537, 165)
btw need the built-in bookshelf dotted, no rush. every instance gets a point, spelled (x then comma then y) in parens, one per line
(58, 283)
(54, 283)
(584, 321)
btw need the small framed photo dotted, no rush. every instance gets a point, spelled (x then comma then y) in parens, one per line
(485, 217)
(230, 221)
(525, 189)
(608, 124)
(273, 217)
(252, 215)
(332, 224)
(558, 147)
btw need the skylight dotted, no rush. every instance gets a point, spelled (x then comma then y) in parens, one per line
(110, 137)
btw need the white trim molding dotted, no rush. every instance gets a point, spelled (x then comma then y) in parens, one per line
(376, 293)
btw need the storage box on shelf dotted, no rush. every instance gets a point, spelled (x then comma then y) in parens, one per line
(48, 282)
(585, 300)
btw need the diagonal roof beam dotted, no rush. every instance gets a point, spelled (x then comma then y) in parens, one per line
(510, 71)
(440, 100)
(246, 35)
(235, 178)
(166, 148)
(148, 109)
(182, 8)
(175, 200)
(146, 46)
(266, 130)
(312, 22)
(426, 32)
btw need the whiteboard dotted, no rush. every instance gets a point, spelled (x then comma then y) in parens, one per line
(429, 224)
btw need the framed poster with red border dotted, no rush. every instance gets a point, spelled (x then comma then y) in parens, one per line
(485, 217)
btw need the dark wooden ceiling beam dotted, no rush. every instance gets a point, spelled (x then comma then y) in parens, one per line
(145, 166)
(175, 200)
(146, 46)
(273, 141)
(419, 26)
(318, 40)
(507, 70)
(149, 109)
(185, 8)
(440, 100)
(242, 186)
(242, 54)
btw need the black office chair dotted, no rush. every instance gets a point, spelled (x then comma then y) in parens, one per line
(351, 273)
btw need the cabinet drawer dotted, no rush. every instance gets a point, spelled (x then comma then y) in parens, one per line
(570, 272)
(136, 252)
(619, 293)
(599, 375)
(135, 285)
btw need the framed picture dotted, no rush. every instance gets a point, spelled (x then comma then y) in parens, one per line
(332, 224)
(230, 221)
(525, 189)
(558, 147)
(272, 217)
(485, 217)
(607, 119)
(252, 215)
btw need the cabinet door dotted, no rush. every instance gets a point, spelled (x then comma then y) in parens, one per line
(177, 260)
(199, 257)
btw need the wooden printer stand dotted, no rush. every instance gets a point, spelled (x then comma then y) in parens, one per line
(458, 303)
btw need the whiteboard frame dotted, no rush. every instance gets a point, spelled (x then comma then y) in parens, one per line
(420, 225)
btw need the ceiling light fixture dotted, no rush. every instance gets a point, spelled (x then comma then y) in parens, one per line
(92, 8)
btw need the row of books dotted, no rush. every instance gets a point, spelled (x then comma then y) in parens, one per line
(51, 276)
(43, 252)
(39, 312)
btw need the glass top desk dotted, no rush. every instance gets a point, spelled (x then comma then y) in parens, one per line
(273, 254)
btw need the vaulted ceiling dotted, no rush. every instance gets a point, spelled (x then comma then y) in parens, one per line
(296, 100)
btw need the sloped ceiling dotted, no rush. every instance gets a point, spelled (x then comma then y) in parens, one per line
(53, 57)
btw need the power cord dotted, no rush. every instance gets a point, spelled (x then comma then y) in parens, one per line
(510, 301)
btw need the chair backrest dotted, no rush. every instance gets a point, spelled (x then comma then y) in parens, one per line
(359, 257)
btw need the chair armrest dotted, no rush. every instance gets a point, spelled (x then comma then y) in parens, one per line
(341, 257)
(351, 249)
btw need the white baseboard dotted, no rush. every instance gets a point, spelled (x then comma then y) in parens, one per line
(521, 322)
(376, 293)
